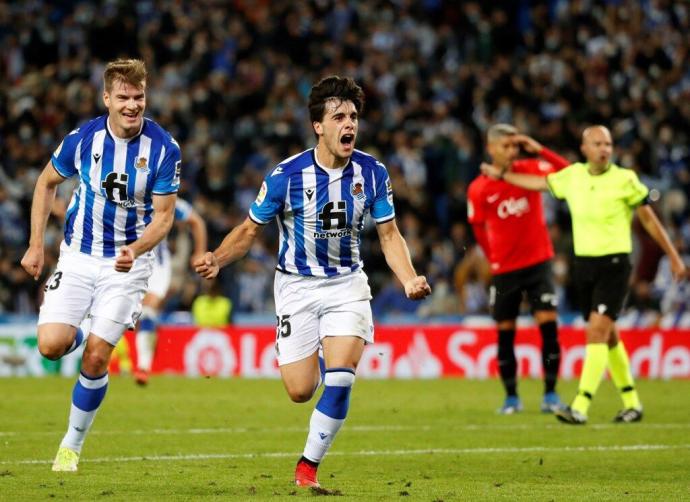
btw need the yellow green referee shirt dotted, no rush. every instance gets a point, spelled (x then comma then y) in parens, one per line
(601, 207)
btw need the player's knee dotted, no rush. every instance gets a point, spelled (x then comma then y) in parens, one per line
(49, 349)
(95, 363)
(50, 345)
(598, 333)
(300, 394)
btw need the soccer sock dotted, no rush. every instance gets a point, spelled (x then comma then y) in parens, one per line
(76, 343)
(596, 357)
(322, 372)
(507, 364)
(550, 354)
(330, 413)
(619, 368)
(87, 396)
(146, 341)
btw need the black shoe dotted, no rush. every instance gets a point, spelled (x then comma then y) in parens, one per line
(628, 416)
(569, 416)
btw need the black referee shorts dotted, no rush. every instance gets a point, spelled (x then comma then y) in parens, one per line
(505, 295)
(601, 283)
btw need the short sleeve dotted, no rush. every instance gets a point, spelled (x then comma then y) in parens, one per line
(475, 208)
(65, 155)
(271, 198)
(382, 210)
(559, 182)
(635, 191)
(168, 174)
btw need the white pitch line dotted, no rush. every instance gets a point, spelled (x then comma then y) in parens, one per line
(372, 453)
(353, 428)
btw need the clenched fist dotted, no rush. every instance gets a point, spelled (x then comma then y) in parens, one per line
(207, 266)
(417, 288)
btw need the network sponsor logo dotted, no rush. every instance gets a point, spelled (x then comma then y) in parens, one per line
(346, 232)
(127, 204)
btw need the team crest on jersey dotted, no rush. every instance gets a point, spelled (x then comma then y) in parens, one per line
(356, 191)
(262, 194)
(141, 163)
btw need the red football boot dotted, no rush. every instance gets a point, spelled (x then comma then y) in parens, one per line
(141, 377)
(305, 474)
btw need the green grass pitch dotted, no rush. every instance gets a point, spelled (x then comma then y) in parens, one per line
(437, 440)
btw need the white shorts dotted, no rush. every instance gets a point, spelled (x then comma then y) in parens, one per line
(83, 284)
(311, 308)
(159, 283)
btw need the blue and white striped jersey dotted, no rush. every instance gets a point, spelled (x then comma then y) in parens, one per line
(183, 210)
(320, 211)
(112, 204)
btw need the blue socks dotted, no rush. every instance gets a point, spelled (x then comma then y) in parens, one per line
(330, 412)
(87, 396)
(76, 343)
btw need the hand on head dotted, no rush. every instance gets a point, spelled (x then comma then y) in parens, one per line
(528, 143)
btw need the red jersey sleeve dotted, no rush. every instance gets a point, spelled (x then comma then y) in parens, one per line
(476, 213)
(550, 162)
(556, 160)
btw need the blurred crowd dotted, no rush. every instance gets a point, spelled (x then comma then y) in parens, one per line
(230, 81)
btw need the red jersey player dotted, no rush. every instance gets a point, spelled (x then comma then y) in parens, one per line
(509, 225)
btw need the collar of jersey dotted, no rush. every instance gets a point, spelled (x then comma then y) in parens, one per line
(608, 168)
(119, 139)
(329, 169)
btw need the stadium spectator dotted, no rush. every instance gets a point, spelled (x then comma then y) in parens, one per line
(602, 198)
(129, 169)
(320, 198)
(509, 225)
(210, 308)
(472, 277)
(392, 301)
(673, 297)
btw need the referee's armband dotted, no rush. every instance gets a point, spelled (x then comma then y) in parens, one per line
(652, 196)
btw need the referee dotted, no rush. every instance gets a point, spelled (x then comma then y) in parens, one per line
(601, 197)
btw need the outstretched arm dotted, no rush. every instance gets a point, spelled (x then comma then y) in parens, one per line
(652, 224)
(526, 181)
(398, 258)
(41, 206)
(235, 245)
